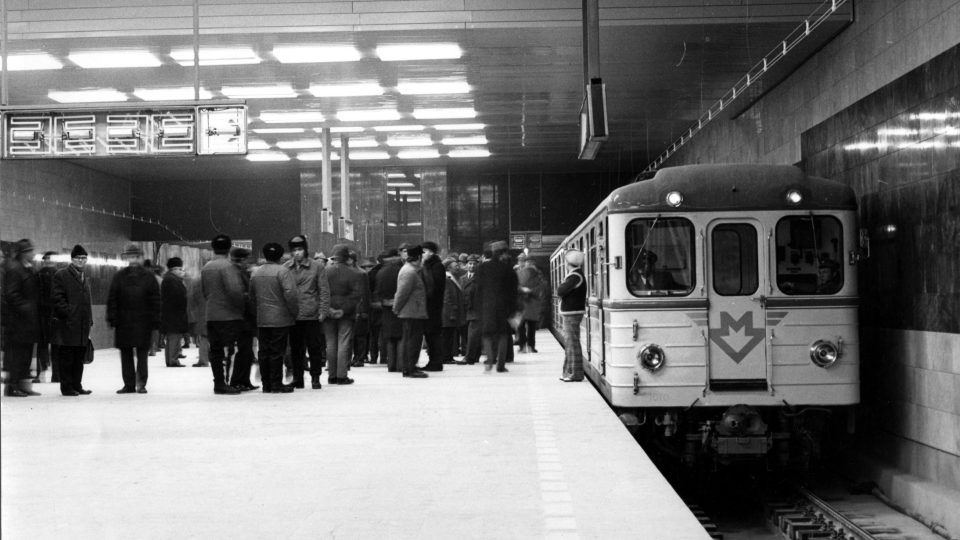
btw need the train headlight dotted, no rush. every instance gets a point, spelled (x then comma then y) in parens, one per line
(794, 196)
(652, 357)
(674, 199)
(824, 353)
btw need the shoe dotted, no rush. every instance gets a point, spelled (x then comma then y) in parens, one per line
(356, 364)
(177, 365)
(433, 368)
(182, 356)
(252, 387)
(225, 390)
(297, 384)
(242, 388)
(54, 379)
(315, 384)
(12, 391)
(523, 350)
(84, 392)
(141, 390)
(449, 361)
(333, 380)
(487, 367)
(283, 389)
(126, 390)
(345, 380)
(70, 393)
(416, 375)
(198, 364)
(502, 370)
(533, 350)
(461, 362)
(35, 380)
(30, 392)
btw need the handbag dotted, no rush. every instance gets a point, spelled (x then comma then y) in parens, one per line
(88, 355)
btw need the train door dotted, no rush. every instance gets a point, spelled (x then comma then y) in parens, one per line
(736, 255)
(594, 301)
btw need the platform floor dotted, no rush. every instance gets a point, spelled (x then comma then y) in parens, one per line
(463, 454)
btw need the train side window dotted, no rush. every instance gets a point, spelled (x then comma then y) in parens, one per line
(660, 257)
(593, 263)
(809, 255)
(734, 253)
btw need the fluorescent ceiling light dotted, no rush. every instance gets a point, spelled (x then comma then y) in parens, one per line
(302, 143)
(268, 156)
(346, 90)
(114, 59)
(369, 155)
(88, 96)
(423, 140)
(291, 117)
(418, 154)
(469, 153)
(400, 184)
(268, 131)
(420, 51)
(464, 141)
(459, 127)
(217, 56)
(259, 91)
(420, 88)
(409, 127)
(396, 175)
(452, 112)
(409, 192)
(257, 144)
(316, 156)
(346, 129)
(32, 62)
(368, 116)
(365, 142)
(170, 94)
(303, 54)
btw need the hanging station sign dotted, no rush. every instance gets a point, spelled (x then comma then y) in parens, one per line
(123, 132)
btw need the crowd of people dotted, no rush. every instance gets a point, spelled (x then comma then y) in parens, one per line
(301, 313)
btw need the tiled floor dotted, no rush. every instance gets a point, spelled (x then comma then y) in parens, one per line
(463, 454)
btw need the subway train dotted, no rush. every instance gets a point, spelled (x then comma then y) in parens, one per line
(721, 315)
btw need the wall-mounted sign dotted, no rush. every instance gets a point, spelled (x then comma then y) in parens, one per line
(526, 239)
(64, 133)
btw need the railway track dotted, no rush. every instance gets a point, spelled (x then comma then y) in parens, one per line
(807, 516)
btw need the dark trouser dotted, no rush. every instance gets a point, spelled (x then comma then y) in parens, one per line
(133, 377)
(450, 340)
(462, 339)
(339, 336)
(45, 350)
(172, 352)
(392, 353)
(71, 368)
(435, 347)
(305, 337)
(273, 343)
(474, 342)
(496, 346)
(361, 339)
(16, 361)
(410, 344)
(374, 343)
(527, 334)
(223, 334)
(243, 360)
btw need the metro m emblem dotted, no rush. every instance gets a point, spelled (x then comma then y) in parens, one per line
(728, 324)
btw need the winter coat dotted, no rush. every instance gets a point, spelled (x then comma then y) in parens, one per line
(45, 274)
(133, 306)
(21, 294)
(454, 312)
(435, 280)
(312, 287)
(72, 311)
(496, 296)
(384, 290)
(275, 295)
(345, 292)
(173, 299)
(376, 308)
(573, 293)
(410, 302)
(531, 278)
(469, 284)
(223, 290)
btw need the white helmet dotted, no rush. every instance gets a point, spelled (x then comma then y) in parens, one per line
(574, 257)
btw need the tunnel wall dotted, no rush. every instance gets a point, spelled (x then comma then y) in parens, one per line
(871, 86)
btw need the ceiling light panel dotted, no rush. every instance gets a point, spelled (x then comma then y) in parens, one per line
(101, 95)
(444, 113)
(418, 154)
(316, 156)
(423, 140)
(114, 59)
(299, 144)
(369, 154)
(268, 156)
(277, 131)
(183, 93)
(217, 56)
(291, 117)
(381, 115)
(459, 127)
(464, 141)
(304, 54)
(433, 88)
(259, 91)
(360, 142)
(32, 62)
(346, 90)
(257, 144)
(419, 51)
(469, 153)
(408, 127)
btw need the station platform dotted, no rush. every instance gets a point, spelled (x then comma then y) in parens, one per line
(463, 454)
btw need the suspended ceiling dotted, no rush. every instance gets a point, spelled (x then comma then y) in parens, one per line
(518, 74)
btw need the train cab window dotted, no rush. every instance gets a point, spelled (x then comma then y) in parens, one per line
(809, 255)
(734, 253)
(660, 257)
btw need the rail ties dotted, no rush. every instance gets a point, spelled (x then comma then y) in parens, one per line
(808, 517)
(705, 521)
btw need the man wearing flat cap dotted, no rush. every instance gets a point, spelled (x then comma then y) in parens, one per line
(275, 296)
(225, 295)
(471, 342)
(21, 299)
(306, 335)
(829, 279)
(173, 312)
(345, 295)
(72, 319)
(435, 279)
(644, 276)
(410, 306)
(133, 310)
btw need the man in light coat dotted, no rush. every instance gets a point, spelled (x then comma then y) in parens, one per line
(410, 306)
(275, 296)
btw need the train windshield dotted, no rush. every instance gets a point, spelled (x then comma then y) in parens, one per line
(660, 257)
(809, 255)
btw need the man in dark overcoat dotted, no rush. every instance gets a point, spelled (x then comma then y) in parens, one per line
(46, 350)
(72, 319)
(133, 310)
(385, 287)
(173, 315)
(21, 297)
(469, 283)
(435, 279)
(225, 293)
(497, 295)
